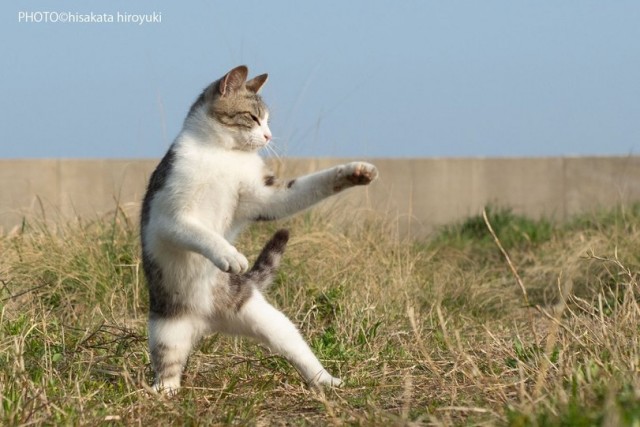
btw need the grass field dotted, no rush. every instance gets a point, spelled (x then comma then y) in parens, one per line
(449, 331)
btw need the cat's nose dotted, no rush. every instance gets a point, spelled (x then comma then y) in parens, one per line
(267, 136)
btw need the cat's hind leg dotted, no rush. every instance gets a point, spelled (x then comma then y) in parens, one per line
(170, 342)
(260, 320)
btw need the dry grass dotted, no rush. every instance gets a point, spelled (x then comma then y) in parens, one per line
(423, 332)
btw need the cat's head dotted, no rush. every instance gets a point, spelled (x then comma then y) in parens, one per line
(231, 109)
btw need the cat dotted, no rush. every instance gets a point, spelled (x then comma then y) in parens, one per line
(207, 188)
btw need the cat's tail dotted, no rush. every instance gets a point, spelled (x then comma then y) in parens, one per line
(264, 269)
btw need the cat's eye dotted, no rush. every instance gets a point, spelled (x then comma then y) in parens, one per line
(254, 118)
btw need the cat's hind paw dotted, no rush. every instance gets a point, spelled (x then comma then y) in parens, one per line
(326, 380)
(168, 390)
(333, 382)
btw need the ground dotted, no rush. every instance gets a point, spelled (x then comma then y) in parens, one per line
(448, 330)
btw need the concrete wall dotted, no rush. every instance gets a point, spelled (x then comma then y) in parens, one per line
(419, 193)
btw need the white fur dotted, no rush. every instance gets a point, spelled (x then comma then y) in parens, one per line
(179, 335)
(261, 321)
(215, 190)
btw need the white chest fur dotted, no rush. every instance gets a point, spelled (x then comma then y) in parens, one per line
(212, 186)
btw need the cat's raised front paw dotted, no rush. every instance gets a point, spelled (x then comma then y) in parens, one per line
(355, 173)
(232, 262)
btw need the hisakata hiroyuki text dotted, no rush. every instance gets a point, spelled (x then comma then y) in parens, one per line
(89, 18)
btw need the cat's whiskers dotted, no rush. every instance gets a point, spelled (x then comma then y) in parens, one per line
(251, 143)
(272, 151)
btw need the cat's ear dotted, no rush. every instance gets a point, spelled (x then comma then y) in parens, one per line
(233, 80)
(255, 84)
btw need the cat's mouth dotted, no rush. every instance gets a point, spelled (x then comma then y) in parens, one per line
(253, 145)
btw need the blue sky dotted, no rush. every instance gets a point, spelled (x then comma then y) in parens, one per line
(347, 78)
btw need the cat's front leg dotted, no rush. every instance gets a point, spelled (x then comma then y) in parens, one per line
(189, 234)
(305, 191)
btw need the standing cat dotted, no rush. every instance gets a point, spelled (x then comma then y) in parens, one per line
(208, 187)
